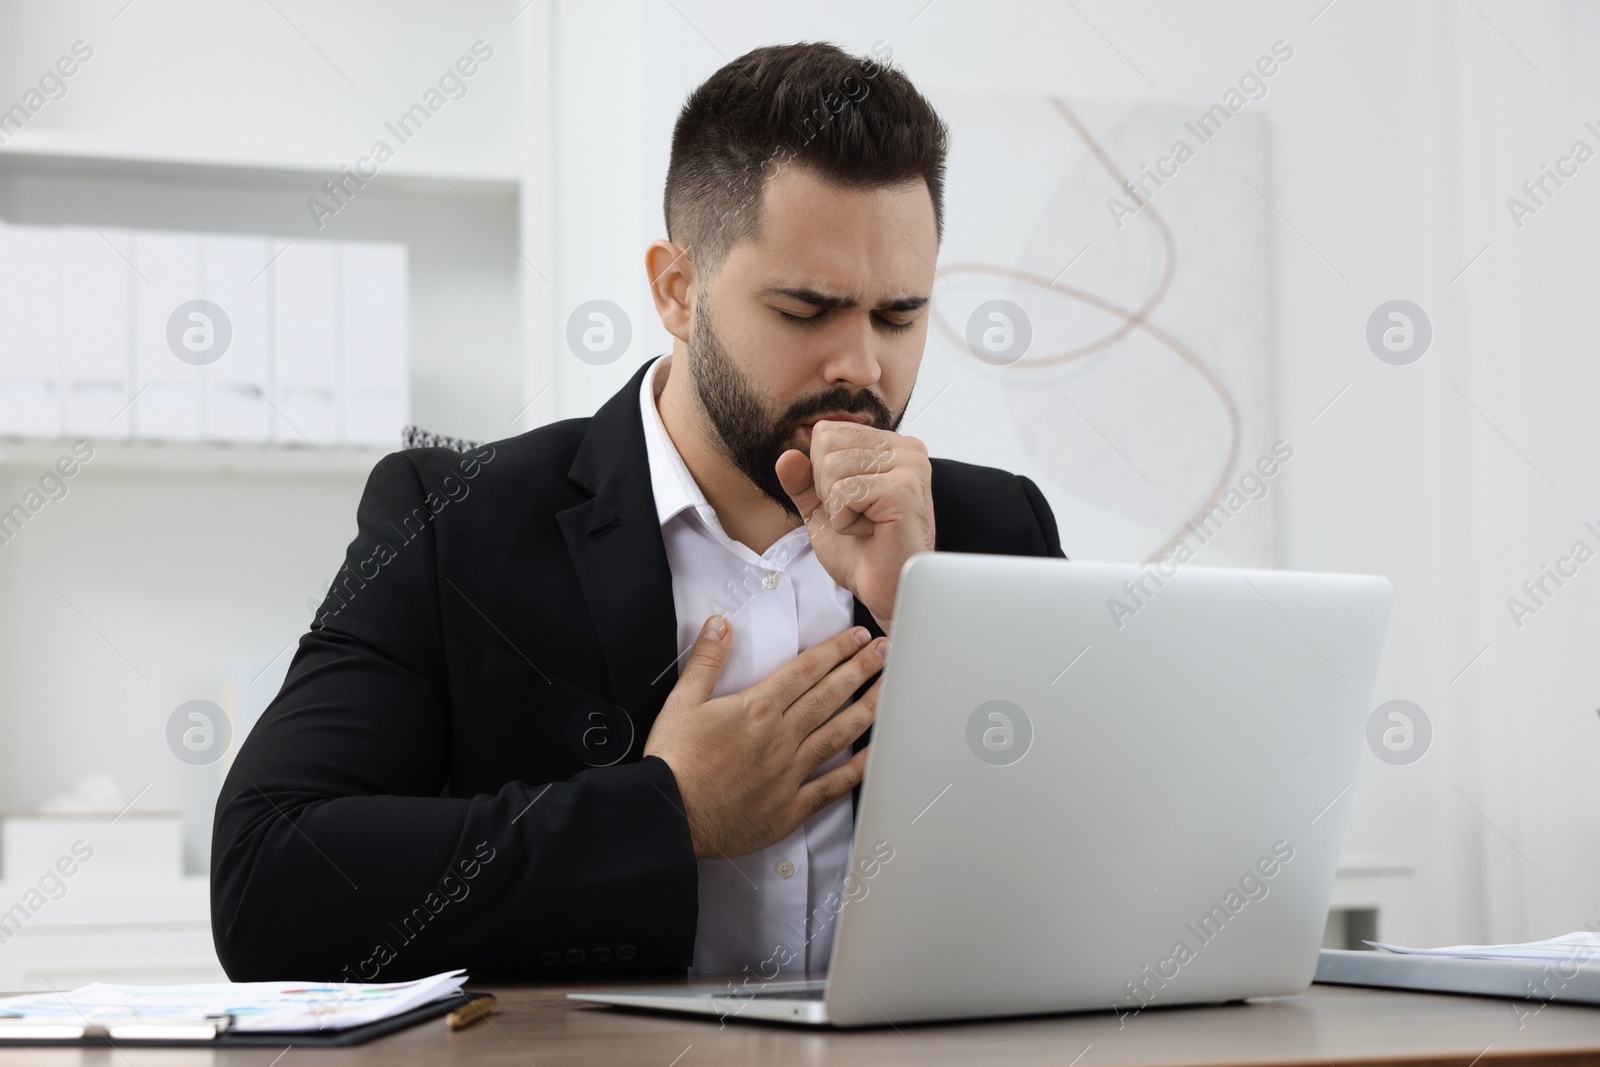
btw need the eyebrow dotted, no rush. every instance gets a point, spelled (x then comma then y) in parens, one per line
(829, 300)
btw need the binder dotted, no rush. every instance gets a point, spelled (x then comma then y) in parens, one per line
(377, 387)
(305, 331)
(232, 277)
(31, 313)
(168, 388)
(96, 358)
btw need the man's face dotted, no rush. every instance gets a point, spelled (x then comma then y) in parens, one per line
(824, 315)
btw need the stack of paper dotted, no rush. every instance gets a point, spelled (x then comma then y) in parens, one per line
(1579, 947)
(272, 1006)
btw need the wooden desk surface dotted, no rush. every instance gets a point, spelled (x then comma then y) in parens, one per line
(536, 1025)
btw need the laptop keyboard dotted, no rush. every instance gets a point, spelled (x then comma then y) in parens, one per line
(809, 991)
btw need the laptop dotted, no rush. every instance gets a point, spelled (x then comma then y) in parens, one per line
(1092, 786)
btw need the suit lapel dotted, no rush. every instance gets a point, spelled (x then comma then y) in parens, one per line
(614, 539)
(863, 618)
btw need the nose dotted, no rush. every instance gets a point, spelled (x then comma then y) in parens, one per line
(851, 360)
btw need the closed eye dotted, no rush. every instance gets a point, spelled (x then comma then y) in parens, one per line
(815, 319)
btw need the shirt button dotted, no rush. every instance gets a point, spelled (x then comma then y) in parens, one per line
(785, 868)
(769, 580)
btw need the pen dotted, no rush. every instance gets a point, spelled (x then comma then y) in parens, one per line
(471, 1012)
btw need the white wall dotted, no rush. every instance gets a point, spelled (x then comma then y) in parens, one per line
(1515, 468)
(289, 84)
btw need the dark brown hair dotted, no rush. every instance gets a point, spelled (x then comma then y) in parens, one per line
(853, 121)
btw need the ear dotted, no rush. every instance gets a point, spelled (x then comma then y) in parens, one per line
(671, 276)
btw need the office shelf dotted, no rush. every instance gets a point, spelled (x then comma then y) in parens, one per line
(20, 457)
(52, 151)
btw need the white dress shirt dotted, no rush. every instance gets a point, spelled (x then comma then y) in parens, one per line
(768, 911)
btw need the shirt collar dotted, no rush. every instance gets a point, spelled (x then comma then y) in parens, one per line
(675, 488)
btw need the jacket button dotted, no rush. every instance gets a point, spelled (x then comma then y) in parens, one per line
(551, 958)
(576, 955)
(600, 955)
(626, 952)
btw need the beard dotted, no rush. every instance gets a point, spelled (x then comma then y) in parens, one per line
(750, 438)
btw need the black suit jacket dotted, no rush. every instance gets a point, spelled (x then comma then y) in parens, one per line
(451, 774)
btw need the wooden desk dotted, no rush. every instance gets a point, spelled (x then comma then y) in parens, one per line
(538, 1026)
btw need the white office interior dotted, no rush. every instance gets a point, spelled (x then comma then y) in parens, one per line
(1417, 151)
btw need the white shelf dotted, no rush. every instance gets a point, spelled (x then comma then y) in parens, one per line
(199, 460)
(1373, 865)
(118, 902)
(53, 149)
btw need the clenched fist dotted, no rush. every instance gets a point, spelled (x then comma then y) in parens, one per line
(867, 498)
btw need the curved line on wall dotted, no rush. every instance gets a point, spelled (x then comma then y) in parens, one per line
(1131, 320)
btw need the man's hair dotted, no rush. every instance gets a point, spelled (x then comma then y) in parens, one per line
(853, 121)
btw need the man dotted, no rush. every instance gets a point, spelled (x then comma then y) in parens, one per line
(585, 700)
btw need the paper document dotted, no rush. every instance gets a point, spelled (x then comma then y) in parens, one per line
(285, 1006)
(1578, 947)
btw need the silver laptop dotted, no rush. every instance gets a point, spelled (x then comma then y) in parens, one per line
(1092, 787)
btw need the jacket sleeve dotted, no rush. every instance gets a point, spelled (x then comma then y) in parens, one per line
(335, 855)
(1046, 517)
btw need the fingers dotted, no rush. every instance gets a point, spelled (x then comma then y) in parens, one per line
(706, 659)
(815, 707)
(842, 449)
(826, 788)
(794, 474)
(845, 482)
(841, 730)
(829, 435)
(849, 499)
(796, 678)
(844, 462)
(861, 474)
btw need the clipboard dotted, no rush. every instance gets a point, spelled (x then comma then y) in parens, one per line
(354, 1035)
